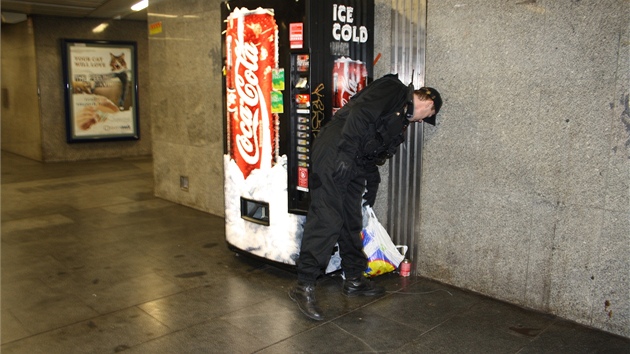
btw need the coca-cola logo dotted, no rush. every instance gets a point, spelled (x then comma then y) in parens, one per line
(249, 94)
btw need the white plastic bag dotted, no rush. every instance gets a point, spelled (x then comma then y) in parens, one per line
(382, 254)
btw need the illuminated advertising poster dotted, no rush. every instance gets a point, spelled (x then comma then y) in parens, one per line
(100, 82)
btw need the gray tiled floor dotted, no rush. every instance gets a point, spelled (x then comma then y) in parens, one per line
(93, 263)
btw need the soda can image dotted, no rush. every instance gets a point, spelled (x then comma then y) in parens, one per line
(349, 77)
(359, 74)
(251, 55)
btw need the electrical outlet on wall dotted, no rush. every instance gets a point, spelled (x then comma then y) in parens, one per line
(183, 183)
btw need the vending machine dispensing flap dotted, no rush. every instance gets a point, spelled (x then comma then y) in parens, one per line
(255, 211)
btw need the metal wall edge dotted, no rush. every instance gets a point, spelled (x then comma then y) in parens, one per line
(405, 168)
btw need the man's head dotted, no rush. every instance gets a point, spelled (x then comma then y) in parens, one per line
(427, 104)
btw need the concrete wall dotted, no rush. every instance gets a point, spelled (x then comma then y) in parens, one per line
(21, 128)
(526, 178)
(48, 33)
(186, 104)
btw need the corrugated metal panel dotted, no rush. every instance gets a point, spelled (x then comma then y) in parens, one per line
(408, 60)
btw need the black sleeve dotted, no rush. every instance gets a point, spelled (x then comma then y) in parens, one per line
(379, 98)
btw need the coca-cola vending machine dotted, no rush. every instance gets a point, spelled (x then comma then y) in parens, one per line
(289, 65)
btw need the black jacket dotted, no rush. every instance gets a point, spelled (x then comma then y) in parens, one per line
(375, 121)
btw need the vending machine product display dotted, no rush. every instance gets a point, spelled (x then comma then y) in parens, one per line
(289, 65)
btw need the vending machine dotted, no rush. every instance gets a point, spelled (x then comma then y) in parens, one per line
(289, 65)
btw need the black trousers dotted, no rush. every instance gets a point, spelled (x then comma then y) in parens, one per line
(334, 215)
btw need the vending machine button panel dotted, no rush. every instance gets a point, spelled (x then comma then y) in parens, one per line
(301, 106)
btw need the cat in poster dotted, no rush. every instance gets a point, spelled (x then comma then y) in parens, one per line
(119, 70)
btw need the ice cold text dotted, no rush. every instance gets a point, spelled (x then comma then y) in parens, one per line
(344, 28)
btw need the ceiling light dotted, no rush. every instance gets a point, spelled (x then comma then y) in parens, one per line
(100, 28)
(161, 15)
(141, 5)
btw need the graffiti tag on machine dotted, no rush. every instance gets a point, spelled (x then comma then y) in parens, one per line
(317, 109)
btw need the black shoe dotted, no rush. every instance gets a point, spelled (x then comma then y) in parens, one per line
(361, 286)
(304, 296)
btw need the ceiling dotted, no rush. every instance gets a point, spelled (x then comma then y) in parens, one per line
(118, 9)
